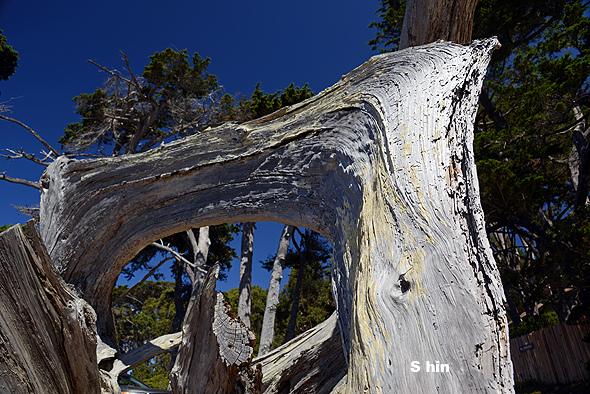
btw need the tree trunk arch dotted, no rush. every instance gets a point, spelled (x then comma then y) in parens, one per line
(381, 164)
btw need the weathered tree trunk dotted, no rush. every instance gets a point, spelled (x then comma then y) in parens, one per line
(47, 333)
(427, 21)
(272, 298)
(313, 362)
(245, 289)
(216, 349)
(200, 248)
(381, 164)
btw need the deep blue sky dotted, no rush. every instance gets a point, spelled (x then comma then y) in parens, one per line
(272, 42)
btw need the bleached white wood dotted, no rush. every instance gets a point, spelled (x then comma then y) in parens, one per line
(272, 297)
(381, 164)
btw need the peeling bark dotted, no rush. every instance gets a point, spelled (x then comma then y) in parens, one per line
(381, 164)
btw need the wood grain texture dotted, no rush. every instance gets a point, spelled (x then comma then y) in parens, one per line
(216, 348)
(47, 333)
(313, 362)
(381, 164)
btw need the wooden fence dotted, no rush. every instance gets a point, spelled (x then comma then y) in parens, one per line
(553, 355)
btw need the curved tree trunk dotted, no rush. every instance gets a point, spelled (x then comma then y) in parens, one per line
(272, 298)
(381, 164)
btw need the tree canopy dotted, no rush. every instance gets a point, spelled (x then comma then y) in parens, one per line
(8, 59)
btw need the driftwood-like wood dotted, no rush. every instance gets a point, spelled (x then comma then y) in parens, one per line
(47, 333)
(145, 352)
(313, 362)
(216, 348)
(381, 164)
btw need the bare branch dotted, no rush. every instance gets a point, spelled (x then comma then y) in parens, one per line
(113, 73)
(30, 130)
(146, 276)
(32, 212)
(136, 83)
(177, 255)
(29, 156)
(152, 348)
(5, 177)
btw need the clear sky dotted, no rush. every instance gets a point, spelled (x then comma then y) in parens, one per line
(272, 42)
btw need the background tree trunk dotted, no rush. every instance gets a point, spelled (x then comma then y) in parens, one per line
(427, 21)
(381, 164)
(245, 289)
(272, 298)
(290, 334)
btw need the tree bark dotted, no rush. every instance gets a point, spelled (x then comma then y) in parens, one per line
(381, 164)
(427, 21)
(47, 333)
(245, 289)
(272, 299)
(216, 348)
(311, 363)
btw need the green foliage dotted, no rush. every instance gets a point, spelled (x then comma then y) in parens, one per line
(391, 14)
(8, 59)
(145, 314)
(534, 323)
(155, 373)
(316, 303)
(258, 295)
(527, 193)
(261, 104)
(5, 227)
(173, 97)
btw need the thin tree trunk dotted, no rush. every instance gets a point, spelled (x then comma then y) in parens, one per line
(179, 301)
(381, 164)
(296, 294)
(245, 298)
(272, 298)
(200, 250)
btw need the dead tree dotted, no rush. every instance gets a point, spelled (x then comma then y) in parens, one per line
(381, 164)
